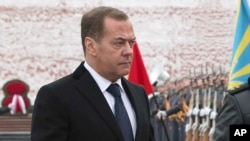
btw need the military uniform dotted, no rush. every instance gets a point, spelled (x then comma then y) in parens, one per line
(235, 110)
(158, 98)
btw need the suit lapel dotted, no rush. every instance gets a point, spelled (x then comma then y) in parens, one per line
(133, 95)
(90, 90)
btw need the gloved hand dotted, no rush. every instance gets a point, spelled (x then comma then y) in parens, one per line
(161, 114)
(195, 111)
(213, 115)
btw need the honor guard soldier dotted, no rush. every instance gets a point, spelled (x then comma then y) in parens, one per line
(234, 111)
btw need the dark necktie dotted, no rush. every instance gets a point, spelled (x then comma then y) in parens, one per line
(121, 114)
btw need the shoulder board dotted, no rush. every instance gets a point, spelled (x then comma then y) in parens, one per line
(239, 89)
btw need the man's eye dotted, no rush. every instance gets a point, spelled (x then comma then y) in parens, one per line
(131, 43)
(119, 43)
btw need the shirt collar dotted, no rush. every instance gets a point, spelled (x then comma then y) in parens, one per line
(102, 82)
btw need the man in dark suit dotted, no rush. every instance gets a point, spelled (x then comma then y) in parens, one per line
(78, 107)
(235, 110)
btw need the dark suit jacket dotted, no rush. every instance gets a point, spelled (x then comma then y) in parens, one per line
(235, 110)
(74, 109)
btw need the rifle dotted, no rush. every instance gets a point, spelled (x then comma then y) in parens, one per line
(196, 123)
(207, 112)
(203, 112)
(190, 118)
(212, 116)
(188, 129)
(195, 112)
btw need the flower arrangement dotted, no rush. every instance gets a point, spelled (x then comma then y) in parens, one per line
(15, 97)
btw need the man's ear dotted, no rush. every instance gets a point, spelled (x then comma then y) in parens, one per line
(90, 46)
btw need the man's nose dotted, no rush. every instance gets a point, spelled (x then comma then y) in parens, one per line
(128, 49)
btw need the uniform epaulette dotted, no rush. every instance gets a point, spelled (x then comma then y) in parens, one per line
(239, 89)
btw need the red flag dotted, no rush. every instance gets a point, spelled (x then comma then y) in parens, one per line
(138, 73)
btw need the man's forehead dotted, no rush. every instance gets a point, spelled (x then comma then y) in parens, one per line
(120, 29)
(108, 21)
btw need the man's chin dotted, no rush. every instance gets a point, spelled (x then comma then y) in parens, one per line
(125, 72)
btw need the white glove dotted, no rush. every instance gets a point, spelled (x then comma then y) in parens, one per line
(187, 127)
(161, 114)
(213, 115)
(194, 126)
(207, 110)
(211, 132)
(195, 111)
(202, 112)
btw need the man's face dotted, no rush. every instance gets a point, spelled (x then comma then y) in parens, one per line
(114, 51)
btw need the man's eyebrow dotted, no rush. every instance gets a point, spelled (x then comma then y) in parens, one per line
(133, 39)
(124, 39)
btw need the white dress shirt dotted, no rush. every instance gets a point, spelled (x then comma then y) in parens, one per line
(103, 85)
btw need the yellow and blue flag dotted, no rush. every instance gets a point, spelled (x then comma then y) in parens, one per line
(240, 65)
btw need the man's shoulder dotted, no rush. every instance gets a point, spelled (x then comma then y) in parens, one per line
(241, 96)
(69, 78)
(132, 84)
(61, 81)
(242, 89)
